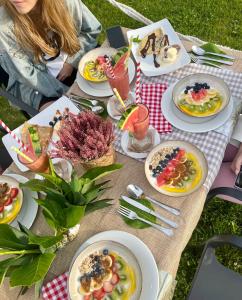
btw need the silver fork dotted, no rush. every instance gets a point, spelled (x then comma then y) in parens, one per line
(201, 62)
(133, 216)
(208, 59)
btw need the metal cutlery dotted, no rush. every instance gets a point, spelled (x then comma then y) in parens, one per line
(205, 59)
(149, 211)
(133, 216)
(199, 51)
(203, 62)
(77, 98)
(136, 192)
(96, 109)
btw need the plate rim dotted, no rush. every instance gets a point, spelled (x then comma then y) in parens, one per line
(172, 194)
(195, 129)
(114, 235)
(164, 23)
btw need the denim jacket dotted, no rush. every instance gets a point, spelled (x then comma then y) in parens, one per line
(30, 81)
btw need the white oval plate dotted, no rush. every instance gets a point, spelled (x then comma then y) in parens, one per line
(188, 123)
(148, 267)
(137, 155)
(29, 207)
(101, 89)
(189, 148)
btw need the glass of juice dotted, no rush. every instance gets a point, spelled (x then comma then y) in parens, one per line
(120, 81)
(40, 163)
(141, 123)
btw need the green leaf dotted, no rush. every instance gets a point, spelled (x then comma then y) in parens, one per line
(38, 185)
(100, 204)
(33, 272)
(45, 241)
(37, 289)
(73, 215)
(76, 184)
(136, 39)
(98, 172)
(12, 238)
(87, 185)
(137, 223)
(51, 221)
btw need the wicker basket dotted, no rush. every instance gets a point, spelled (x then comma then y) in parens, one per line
(105, 160)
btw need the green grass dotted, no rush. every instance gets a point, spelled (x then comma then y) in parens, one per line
(217, 21)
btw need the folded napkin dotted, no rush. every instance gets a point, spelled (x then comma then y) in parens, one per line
(57, 288)
(151, 95)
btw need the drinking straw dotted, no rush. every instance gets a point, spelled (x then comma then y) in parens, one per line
(137, 83)
(13, 135)
(109, 67)
(22, 154)
(119, 97)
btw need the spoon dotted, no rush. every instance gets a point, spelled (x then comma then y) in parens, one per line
(96, 109)
(77, 99)
(136, 192)
(199, 51)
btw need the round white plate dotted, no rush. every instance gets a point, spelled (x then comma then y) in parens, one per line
(149, 271)
(189, 148)
(120, 249)
(192, 124)
(101, 89)
(137, 155)
(29, 207)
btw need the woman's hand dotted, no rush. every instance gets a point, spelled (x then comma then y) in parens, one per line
(65, 72)
(237, 162)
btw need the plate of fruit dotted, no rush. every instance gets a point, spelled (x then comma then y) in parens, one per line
(176, 168)
(110, 266)
(11, 199)
(201, 95)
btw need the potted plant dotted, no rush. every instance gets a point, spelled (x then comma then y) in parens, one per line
(64, 203)
(87, 139)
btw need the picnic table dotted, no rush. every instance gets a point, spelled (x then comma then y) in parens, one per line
(166, 250)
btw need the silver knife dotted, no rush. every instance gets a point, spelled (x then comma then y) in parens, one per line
(149, 211)
(225, 62)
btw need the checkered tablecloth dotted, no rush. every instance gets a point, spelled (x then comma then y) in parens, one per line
(212, 143)
(56, 289)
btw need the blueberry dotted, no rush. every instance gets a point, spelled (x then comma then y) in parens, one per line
(188, 88)
(158, 169)
(51, 124)
(166, 161)
(55, 119)
(177, 149)
(154, 175)
(160, 162)
(186, 92)
(60, 118)
(168, 156)
(105, 251)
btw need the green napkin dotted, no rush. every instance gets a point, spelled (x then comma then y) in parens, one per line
(210, 47)
(136, 223)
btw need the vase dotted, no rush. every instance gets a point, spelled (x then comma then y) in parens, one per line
(105, 160)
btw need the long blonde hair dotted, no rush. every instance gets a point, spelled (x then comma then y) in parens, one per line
(34, 35)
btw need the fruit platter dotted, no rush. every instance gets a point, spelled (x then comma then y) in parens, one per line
(11, 199)
(106, 270)
(176, 168)
(201, 95)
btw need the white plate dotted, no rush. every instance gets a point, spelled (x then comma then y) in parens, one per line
(101, 89)
(192, 124)
(148, 267)
(137, 155)
(42, 119)
(29, 207)
(147, 64)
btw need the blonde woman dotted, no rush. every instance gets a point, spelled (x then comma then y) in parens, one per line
(41, 43)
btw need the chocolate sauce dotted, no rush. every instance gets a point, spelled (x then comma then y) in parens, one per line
(155, 62)
(150, 38)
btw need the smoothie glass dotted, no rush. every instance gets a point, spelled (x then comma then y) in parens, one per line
(40, 163)
(120, 81)
(141, 124)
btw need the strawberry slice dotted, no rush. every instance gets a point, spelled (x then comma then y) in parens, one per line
(107, 287)
(115, 279)
(99, 294)
(13, 193)
(160, 180)
(8, 201)
(1, 208)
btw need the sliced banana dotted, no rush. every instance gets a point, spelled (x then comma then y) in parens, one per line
(212, 92)
(96, 283)
(107, 275)
(107, 261)
(85, 286)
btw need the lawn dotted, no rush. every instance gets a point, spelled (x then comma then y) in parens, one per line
(217, 21)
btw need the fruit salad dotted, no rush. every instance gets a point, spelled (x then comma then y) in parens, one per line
(175, 169)
(106, 276)
(10, 202)
(200, 100)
